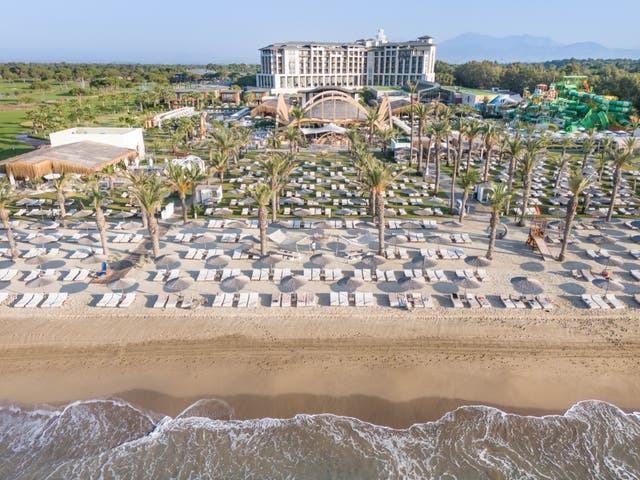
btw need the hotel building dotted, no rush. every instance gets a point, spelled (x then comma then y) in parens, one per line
(290, 67)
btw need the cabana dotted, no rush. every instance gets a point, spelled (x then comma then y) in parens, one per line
(83, 158)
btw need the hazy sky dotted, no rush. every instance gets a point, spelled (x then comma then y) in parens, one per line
(202, 31)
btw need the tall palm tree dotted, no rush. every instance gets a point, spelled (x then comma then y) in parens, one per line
(59, 184)
(577, 185)
(514, 149)
(294, 136)
(565, 144)
(150, 195)
(532, 148)
(621, 158)
(605, 146)
(179, 182)
(218, 163)
(385, 137)
(376, 178)
(262, 194)
(371, 122)
(475, 130)
(225, 141)
(296, 115)
(467, 181)
(96, 197)
(587, 147)
(490, 137)
(6, 198)
(137, 179)
(441, 129)
(411, 86)
(422, 112)
(195, 176)
(276, 168)
(462, 126)
(499, 198)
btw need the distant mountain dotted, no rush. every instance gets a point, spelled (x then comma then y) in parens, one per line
(522, 48)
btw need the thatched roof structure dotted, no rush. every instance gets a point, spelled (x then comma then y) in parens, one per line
(82, 157)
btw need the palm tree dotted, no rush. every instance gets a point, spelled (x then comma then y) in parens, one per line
(490, 136)
(385, 137)
(136, 180)
(605, 152)
(411, 86)
(499, 198)
(371, 122)
(195, 176)
(296, 115)
(277, 168)
(577, 185)
(225, 141)
(59, 185)
(376, 178)
(422, 112)
(179, 182)
(622, 157)
(532, 147)
(475, 129)
(6, 198)
(462, 126)
(441, 129)
(467, 181)
(150, 195)
(293, 135)
(587, 147)
(262, 194)
(514, 149)
(96, 197)
(110, 172)
(218, 163)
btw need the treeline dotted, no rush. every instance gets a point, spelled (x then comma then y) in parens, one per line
(607, 77)
(122, 75)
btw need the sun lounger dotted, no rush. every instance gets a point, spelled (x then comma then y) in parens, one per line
(428, 301)
(160, 275)
(416, 299)
(600, 302)
(545, 302)
(243, 300)
(102, 302)
(161, 301)
(482, 300)
(7, 274)
(393, 300)
(471, 300)
(172, 301)
(115, 299)
(173, 274)
(127, 300)
(589, 302)
(23, 300)
(4, 296)
(253, 300)
(506, 301)
(49, 299)
(613, 301)
(218, 300)
(334, 299)
(73, 273)
(517, 302)
(35, 300)
(456, 300)
(531, 302)
(481, 274)
(635, 254)
(285, 300)
(634, 273)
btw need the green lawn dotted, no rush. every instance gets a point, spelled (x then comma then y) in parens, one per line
(10, 126)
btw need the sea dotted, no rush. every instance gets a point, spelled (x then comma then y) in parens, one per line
(113, 439)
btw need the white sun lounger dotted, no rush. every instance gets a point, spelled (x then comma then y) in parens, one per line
(217, 300)
(127, 300)
(23, 300)
(253, 300)
(600, 301)
(8, 274)
(73, 273)
(227, 301)
(506, 301)
(172, 301)
(49, 300)
(588, 300)
(115, 299)
(613, 300)
(104, 300)
(161, 301)
(243, 300)
(35, 301)
(393, 300)
(160, 274)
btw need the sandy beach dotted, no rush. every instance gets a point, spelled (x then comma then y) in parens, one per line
(409, 366)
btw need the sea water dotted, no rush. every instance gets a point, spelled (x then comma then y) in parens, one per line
(112, 439)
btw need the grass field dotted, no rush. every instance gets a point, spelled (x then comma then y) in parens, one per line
(10, 126)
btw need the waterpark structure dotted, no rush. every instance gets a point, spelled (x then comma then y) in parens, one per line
(571, 105)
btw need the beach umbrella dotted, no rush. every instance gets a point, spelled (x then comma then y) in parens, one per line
(410, 224)
(168, 261)
(323, 259)
(350, 284)
(123, 214)
(478, 261)
(38, 259)
(453, 224)
(301, 212)
(528, 285)
(85, 225)
(122, 284)
(235, 283)
(40, 282)
(44, 225)
(43, 239)
(83, 213)
(88, 240)
(467, 283)
(270, 260)
(323, 224)
(249, 239)
(96, 258)
(204, 239)
(291, 283)
(423, 212)
(294, 201)
(320, 235)
(236, 224)
(396, 239)
(608, 285)
(130, 226)
(222, 211)
(218, 261)
(427, 262)
(178, 284)
(601, 239)
(389, 212)
(373, 260)
(364, 224)
(411, 283)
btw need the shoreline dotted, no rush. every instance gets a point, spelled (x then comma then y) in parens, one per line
(409, 368)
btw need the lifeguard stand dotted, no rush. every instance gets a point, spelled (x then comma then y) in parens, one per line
(537, 233)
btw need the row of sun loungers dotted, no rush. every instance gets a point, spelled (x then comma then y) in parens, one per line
(480, 274)
(356, 299)
(606, 301)
(226, 223)
(76, 275)
(461, 238)
(7, 274)
(425, 224)
(41, 300)
(538, 302)
(113, 300)
(469, 300)
(83, 253)
(164, 275)
(172, 301)
(299, 299)
(34, 252)
(202, 253)
(240, 254)
(400, 253)
(410, 300)
(127, 238)
(447, 254)
(323, 274)
(216, 275)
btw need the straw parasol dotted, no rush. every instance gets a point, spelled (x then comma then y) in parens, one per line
(428, 262)
(467, 283)
(235, 283)
(270, 260)
(409, 224)
(168, 261)
(131, 226)
(291, 283)
(122, 284)
(236, 224)
(218, 261)
(478, 261)
(38, 259)
(373, 260)
(396, 239)
(423, 212)
(88, 240)
(453, 224)
(528, 285)
(96, 258)
(40, 282)
(204, 239)
(301, 212)
(86, 225)
(412, 283)
(350, 284)
(43, 239)
(123, 214)
(178, 284)
(323, 259)
(608, 285)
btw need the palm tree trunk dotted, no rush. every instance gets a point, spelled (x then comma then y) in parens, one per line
(193, 200)
(372, 206)
(493, 229)
(454, 176)
(411, 138)
(183, 201)
(469, 152)
(438, 167)
(511, 170)
(487, 166)
(63, 210)
(427, 162)
(568, 224)
(4, 215)
(420, 148)
(102, 230)
(525, 199)
(381, 225)
(154, 234)
(614, 192)
(262, 220)
(465, 197)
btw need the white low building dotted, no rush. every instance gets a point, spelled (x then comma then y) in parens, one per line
(118, 137)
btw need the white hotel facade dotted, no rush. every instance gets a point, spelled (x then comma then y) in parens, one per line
(294, 66)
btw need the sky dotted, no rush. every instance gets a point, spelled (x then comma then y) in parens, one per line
(211, 31)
